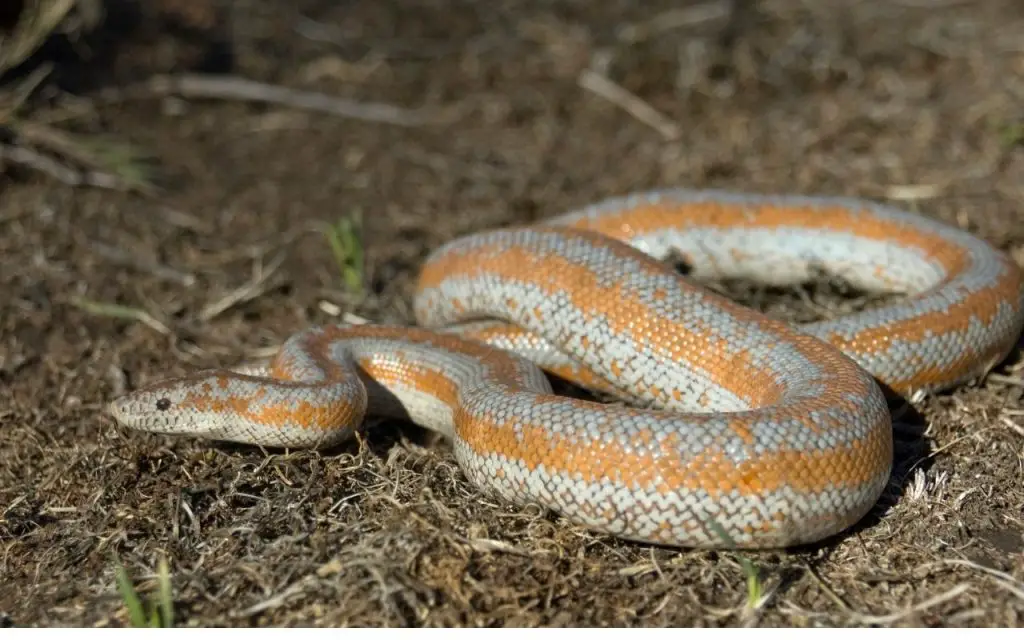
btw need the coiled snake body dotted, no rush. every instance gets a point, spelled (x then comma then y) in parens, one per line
(750, 433)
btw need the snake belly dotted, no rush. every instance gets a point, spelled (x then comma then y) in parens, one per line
(742, 431)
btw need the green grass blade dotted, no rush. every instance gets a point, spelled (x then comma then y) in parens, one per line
(136, 611)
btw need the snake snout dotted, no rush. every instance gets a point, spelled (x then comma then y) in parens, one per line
(141, 410)
(120, 410)
(114, 409)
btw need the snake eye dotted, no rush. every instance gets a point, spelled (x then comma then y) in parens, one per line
(163, 404)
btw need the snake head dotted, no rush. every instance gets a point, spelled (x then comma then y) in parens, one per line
(183, 405)
(218, 404)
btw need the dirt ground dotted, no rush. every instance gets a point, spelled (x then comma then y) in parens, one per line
(914, 102)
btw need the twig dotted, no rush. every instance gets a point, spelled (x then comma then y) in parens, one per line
(632, 104)
(234, 88)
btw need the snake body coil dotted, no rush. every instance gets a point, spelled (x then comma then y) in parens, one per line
(770, 434)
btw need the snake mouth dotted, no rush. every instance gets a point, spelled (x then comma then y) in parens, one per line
(126, 412)
(117, 409)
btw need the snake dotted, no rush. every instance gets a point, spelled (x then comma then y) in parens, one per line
(727, 428)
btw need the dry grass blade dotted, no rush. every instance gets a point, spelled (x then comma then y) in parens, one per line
(935, 601)
(72, 159)
(279, 599)
(234, 88)
(69, 175)
(633, 105)
(1002, 578)
(14, 99)
(37, 21)
(122, 312)
(106, 163)
(674, 19)
(250, 290)
(142, 263)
